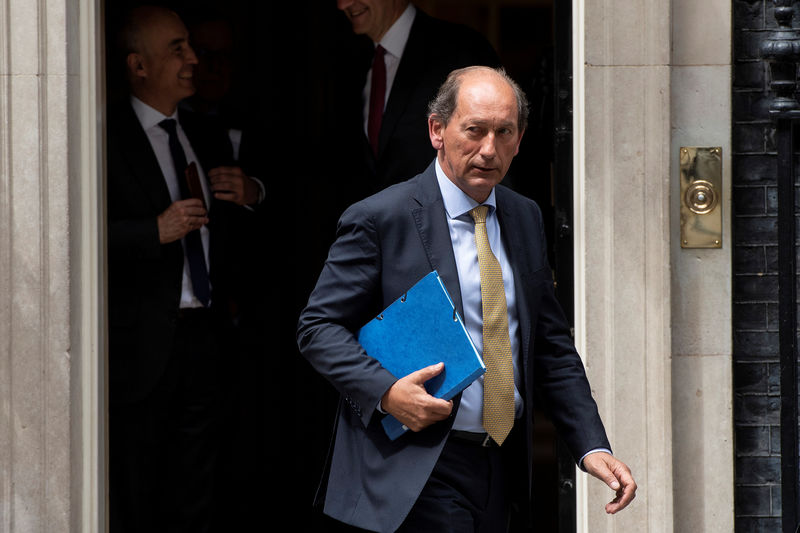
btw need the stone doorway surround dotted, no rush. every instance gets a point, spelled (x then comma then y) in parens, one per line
(652, 320)
(51, 267)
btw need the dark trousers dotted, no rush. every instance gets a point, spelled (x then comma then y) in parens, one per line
(468, 491)
(163, 448)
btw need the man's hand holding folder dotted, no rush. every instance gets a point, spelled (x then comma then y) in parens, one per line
(409, 402)
(422, 341)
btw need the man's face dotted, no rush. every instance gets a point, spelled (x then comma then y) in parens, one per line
(372, 17)
(476, 147)
(166, 63)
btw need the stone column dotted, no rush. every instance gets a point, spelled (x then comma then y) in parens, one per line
(50, 341)
(622, 184)
(702, 387)
(702, 338)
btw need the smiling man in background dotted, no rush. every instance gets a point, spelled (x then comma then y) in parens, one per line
(407, 56)
(176, 209)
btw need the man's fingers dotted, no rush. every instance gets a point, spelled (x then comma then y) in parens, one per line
(224, 183)
(236, 186)
(188, 203)
(626, 493)
(616, 475)
(225, 175)
(224, 170)
(180, 218)
(193, 211)
(610, 479)
(424, 374)
(411, 404)
(598, 464)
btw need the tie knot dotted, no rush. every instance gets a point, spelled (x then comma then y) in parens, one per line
(479, 214)
(169, 125)
(379, 52)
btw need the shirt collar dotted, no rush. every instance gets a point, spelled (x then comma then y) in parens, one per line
(148, 116)
(456, 202)
(395, 39)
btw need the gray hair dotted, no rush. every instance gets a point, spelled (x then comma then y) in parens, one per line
(444, 104)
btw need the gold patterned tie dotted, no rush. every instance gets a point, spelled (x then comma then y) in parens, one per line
(498, 382)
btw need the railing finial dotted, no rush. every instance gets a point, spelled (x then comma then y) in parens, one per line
(782, 52)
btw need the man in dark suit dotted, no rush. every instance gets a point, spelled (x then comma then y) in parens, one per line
(465, 463)
(415, 52)
(174, 260)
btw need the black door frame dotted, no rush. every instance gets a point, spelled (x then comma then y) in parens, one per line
(563, 252)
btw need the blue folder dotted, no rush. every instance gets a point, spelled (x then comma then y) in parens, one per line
(420, 329)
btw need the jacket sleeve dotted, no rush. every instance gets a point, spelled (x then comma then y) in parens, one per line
(346, 296)
(560, 375)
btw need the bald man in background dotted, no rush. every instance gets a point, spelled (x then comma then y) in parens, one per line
(173, 282)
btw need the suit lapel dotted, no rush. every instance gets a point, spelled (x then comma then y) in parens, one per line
(405, 81)
(518, 257)
(141, 159)
(431, 222)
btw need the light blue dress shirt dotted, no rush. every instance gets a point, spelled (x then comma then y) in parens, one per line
(462, 234)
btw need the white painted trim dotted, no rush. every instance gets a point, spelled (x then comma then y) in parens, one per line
(89, 258)
(578, 221)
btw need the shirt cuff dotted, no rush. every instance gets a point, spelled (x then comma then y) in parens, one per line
(580, 463)
(262, 191)
(380, 409)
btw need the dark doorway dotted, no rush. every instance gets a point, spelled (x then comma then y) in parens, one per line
(534, 41)
(281, 412)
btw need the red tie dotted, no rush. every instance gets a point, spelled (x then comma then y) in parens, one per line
(377, 96)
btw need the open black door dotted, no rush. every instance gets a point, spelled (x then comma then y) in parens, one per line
(563, 223)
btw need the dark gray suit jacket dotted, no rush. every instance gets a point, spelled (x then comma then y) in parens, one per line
(384, 245)
(144, 276)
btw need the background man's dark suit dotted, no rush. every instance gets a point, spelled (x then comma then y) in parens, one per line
(144, 294)
(144, 275)
(384, 245)
(435, 47)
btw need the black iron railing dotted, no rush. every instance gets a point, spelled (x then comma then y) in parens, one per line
(782, 53)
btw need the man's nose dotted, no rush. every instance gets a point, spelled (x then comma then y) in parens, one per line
(488, 148)
(344, 4)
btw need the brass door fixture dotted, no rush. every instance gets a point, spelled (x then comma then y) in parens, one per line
(701, 196)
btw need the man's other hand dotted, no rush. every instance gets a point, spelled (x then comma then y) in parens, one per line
(180, 218)
(233, 185)
(409, 402)
(616, 475)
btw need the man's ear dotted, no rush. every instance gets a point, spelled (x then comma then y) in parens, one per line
(136, 65)
(519, 141)
(435, 131)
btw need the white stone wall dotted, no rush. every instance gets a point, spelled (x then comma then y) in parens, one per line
(702, 392)
(654, 321)
(623, 249)
(46, 239)
(34, 288)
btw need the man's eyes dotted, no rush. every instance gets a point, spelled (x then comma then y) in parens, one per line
(477, 130)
